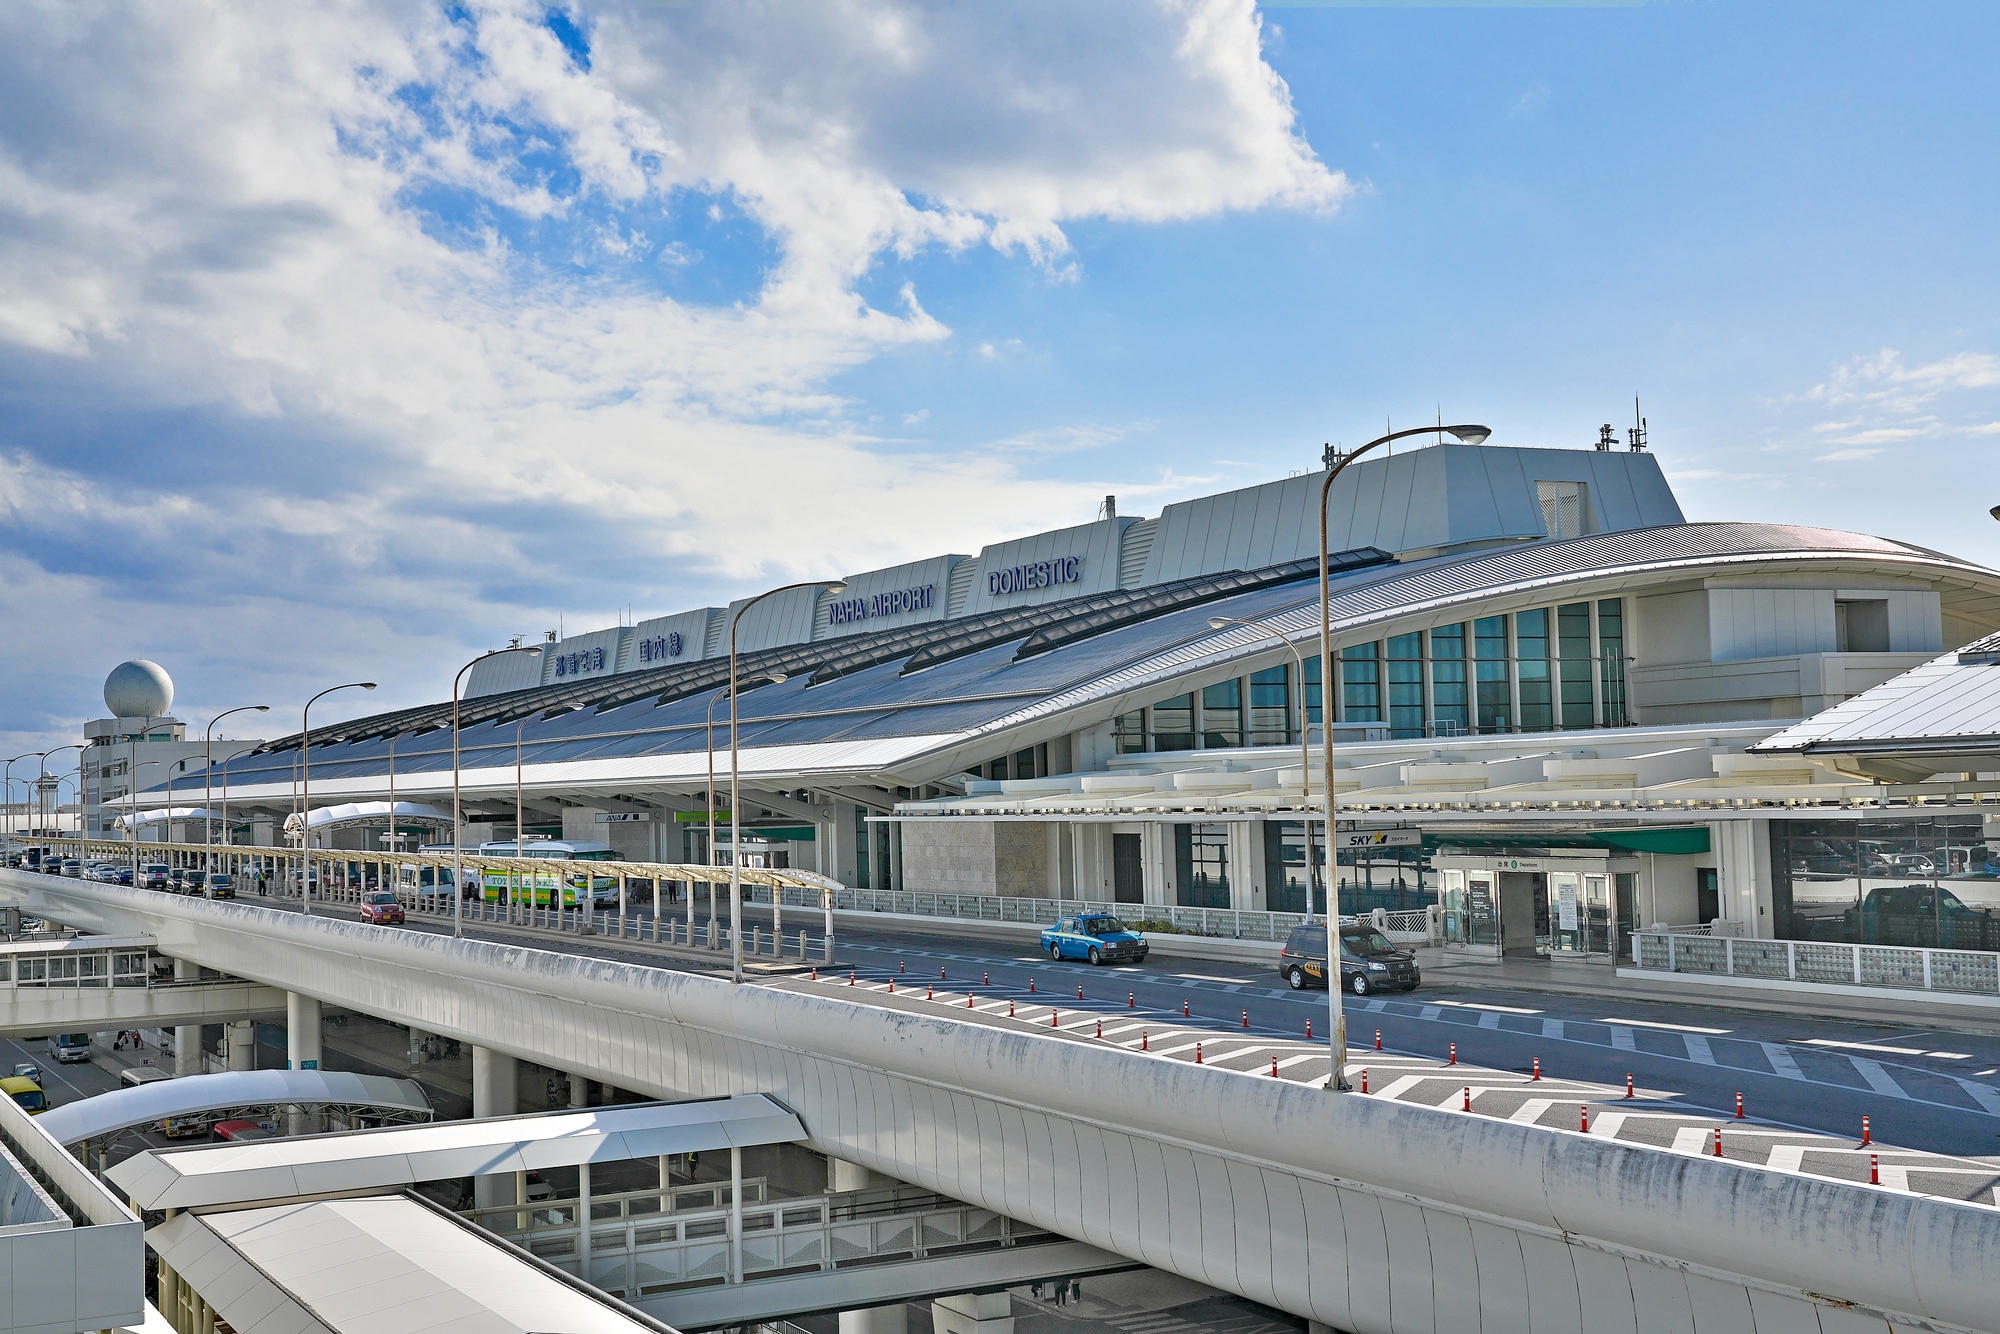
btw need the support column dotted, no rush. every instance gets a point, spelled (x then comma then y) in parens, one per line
(579, 1090)
(302, 1052)
(416, 1047)
(583, 1221)
(735, 1214)
(973, 1313)
(876, 1320)
(496, 1091)
(243, 1045)
(187, 1037)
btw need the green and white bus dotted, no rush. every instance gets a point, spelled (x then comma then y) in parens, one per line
(554, 887)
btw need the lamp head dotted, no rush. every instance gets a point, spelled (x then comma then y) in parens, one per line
(261, 708)
(776, 678)
(1219, 622)
(835, 585)
(1470, 435)
(1995, 511)
(367, 685)
(533, 650)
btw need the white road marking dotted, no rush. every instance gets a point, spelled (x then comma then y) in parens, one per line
(1489, 1021)
(1529, 1112)
(1431, 1012)
(1878, 1078)
(1552, 1028)
(1621, 1038)
(1782, 1062)
(1698, 1051)
(1985, 1095)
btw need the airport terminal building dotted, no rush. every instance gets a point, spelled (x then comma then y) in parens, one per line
(1552, 687)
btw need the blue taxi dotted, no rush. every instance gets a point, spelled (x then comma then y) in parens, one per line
(1094, 937)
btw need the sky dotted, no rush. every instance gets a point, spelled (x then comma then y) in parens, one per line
(347, 341)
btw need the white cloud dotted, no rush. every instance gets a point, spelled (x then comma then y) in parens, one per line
(1848, 456)
(304, 238)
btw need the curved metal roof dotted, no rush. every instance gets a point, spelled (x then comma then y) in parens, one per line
(885, 716)
(192, 1095)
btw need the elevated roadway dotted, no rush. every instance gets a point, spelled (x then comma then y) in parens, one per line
(27, 1012)
(1363, 1213)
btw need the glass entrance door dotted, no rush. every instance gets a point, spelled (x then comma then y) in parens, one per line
(1579, 908)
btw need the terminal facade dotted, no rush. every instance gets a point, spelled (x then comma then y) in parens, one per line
(1544, 669)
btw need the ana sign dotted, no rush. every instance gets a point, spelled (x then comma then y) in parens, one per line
(1380, 838)
(1038, 574)
(624, 817)
(892, 603)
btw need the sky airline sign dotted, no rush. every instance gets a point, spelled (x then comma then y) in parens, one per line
(1039, 574)
(893, 603)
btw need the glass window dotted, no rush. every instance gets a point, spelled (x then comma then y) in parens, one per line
(1222, 715)
(861, 844)
(1449, 712)
(1573, 648)
(1406, 685)
(1285, 870)
(1494, 679)
(1611, 659)
(1201, 858)
(1129, 732)
(1313, 665)
(1271, 708)
(1932, 883)
(1393, 879)
(1360, 684)
(1024, 764)
(1173, 723)
(1531, 651)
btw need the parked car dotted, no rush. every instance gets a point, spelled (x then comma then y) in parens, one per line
(124, 875)
(67, 1047)
(380, 907)
(182, 1127)
(193, 882)
(110, 875)
(28, 1070)
(221, 885)
(1368, 962)
(1095, 937)
(156, 875)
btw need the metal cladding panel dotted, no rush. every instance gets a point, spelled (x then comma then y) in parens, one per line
(1093, 546)
(911, 594)
(1942, 700)
(580, 656)
(782, 618)
(654, 642)
(503, 672)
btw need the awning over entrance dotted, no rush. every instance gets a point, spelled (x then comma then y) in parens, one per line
(1668, 840)
(93, 1118)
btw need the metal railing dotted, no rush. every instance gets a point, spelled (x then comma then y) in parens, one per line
(1822, 962)
(638, 1248)
(1225, 923)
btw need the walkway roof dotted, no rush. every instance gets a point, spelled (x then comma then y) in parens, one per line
(274, 1169)
(1942, 716)
(377, 1265)
(194, 1094)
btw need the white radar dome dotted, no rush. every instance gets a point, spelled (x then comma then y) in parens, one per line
(138, 689)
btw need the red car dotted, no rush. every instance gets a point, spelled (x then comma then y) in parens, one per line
(380, 907)
(240, 1131)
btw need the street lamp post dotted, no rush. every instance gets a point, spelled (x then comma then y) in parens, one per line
(305, 789)
(7, 789)
(225, 790)
(208, 782)
(57, 750)
(735, 806)
(132, 813)
(1305, 749)
(771, 678)
(457, 832)
(1329, 695)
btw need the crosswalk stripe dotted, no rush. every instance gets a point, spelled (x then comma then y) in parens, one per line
(1552, 1028)
(1621, 1038)
(1878, 1079)
(1489, 1021)
(1782, 1062)
(1529, 1112)
(1698, 1051)
(1985, 1095)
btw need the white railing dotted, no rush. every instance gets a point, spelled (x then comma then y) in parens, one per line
(1227, 923)
(637, 1248)
(1824, 962)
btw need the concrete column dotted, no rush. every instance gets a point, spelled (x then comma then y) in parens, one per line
(416, 1047)
(735, 1214)
(579, 1091)
(973, 1313)
(302, 1031)
(842, 1175)
(242, 1045)
(187, 1037)
(302, 1052)
(583, 1221)
(496, 1091)
(876, 1320)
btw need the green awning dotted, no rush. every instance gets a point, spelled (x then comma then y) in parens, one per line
(1673, 840)
(1680, 841)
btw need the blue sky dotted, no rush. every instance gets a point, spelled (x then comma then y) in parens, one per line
(354, 343)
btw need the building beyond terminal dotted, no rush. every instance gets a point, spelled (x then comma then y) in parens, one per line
(1556, 685)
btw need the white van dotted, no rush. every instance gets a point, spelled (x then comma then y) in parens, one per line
(67, 1047)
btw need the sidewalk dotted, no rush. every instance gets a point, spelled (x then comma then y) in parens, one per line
(1601, 980)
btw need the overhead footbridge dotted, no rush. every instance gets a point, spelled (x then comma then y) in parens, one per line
(379, 1098)
(1362, 1213)
(95, 983)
